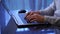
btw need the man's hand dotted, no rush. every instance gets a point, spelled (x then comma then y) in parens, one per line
(35, 17)
(31, 13)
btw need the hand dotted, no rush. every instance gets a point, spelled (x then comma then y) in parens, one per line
(31, 13)
(35, 17)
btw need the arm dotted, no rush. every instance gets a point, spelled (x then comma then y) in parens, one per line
(52, 19)
(49, 10)
(48, 16)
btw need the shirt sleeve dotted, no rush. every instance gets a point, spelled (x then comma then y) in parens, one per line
(48, 14)
(49, 10)
(52, 19)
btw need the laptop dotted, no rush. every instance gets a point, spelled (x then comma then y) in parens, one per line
(22, 23)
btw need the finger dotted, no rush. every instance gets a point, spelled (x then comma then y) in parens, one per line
(28, 18)
(32, 17)
(27, 14)
(31, 13)
(33, 20)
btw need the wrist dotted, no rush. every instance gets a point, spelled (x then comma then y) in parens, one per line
(43, 20)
